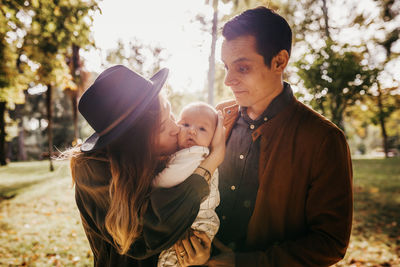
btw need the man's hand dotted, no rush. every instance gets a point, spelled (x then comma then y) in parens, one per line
(193, 250)
(225, 259)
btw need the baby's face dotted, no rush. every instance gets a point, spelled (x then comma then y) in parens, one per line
(197, 127)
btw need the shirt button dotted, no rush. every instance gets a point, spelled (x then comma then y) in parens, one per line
(252, 127)
(241, 157)
(233, 188)
(265, 118)
(223, 217)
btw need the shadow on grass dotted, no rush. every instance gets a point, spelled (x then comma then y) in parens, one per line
(377, 216)
(8, 192)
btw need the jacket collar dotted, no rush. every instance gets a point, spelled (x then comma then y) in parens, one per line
(231, 110)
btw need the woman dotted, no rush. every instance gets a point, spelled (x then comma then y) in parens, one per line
(126, 221)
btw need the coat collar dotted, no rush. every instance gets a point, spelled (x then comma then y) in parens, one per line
(231, 110)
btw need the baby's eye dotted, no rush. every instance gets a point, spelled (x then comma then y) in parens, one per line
(185, 124)
(203, 129)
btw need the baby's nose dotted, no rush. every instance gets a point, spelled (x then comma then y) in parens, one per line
(192, 130)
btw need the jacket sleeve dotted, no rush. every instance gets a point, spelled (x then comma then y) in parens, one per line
(329, 208)
(170, 212)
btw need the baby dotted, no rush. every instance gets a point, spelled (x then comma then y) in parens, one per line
(198, 122)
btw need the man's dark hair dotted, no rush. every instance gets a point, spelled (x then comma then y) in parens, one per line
(271, 31)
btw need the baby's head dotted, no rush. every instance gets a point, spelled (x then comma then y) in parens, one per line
(198, 122)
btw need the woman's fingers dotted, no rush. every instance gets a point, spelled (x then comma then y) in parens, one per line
(200, 241)
(219, 134)
(218, 142)
(188, 248)
(180, 253)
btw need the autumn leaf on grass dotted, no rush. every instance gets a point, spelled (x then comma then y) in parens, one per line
(374, 190)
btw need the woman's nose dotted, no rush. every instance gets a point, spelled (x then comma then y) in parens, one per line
(175, 129)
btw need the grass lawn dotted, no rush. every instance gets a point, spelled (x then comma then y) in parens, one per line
(40, 224)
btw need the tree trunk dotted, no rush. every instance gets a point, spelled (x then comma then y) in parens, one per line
(74, 99)
(21, 142)
(382, 124)
(50, 124)
(326, 18)
(75, 70)
(3, 161)
(211, 69)
(337, 116)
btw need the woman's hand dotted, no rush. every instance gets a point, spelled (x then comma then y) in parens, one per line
(218, 142)
(193, 250)
(217, 153)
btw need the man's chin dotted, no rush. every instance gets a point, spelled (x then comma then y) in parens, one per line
(241, 102)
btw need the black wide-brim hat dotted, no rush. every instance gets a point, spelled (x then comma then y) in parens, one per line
(115, 101)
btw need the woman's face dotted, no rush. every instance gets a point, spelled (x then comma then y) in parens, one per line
(168, 138)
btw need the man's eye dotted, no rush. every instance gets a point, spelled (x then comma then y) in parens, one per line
(243, 69)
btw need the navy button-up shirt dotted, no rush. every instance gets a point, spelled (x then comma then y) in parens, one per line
(238, 174)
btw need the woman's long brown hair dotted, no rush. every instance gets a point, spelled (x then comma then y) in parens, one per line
(133, 161)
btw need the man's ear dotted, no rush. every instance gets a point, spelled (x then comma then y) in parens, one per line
(280, 61)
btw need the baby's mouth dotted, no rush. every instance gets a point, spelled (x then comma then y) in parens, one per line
(191, 141)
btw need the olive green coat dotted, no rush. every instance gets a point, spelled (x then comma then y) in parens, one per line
(170, 213)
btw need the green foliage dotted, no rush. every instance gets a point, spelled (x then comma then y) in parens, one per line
(56, 26)
(13, 73)
(336, 78)
(143, 58)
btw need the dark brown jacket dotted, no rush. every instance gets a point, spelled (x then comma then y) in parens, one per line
(303, 209)
(170, 213)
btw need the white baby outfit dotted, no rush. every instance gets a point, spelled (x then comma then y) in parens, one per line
(181, 165)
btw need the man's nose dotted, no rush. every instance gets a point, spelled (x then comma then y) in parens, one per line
(230, 79)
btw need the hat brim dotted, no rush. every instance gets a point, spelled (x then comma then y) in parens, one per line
(95, 141)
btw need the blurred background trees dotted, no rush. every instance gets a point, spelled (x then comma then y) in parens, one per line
(344, 64)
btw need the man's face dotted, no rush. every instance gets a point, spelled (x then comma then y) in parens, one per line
(246, 73)
(197, 127)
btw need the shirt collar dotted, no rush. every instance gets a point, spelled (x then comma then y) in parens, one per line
(276, 106)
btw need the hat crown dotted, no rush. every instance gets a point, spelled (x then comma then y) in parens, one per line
(116, 91)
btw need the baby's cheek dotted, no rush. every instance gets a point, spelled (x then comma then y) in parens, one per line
(182, 134)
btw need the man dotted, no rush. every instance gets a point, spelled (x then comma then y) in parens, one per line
(286, 182)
